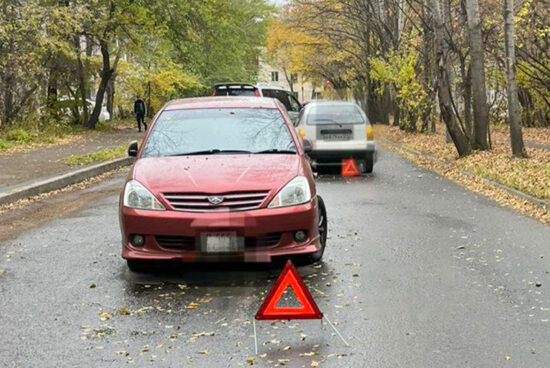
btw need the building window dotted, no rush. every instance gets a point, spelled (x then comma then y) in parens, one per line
(274, 76)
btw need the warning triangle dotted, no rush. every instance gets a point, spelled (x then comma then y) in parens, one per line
(289, 277)
(349, 168)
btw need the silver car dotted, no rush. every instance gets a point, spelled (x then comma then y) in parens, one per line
(336, 130)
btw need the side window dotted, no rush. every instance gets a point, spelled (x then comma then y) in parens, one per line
(271, 93)
(294, 104)
(283, 97)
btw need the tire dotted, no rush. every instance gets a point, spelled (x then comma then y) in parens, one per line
(137, 266)
(369, 162)
(322, 224)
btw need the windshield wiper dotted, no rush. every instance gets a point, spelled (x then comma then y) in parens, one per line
(209, 152)
(275, 150)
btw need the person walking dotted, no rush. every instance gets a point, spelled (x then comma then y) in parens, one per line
(139, 110)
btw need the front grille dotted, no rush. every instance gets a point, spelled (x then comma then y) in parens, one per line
(267, 240)
(176, 242)
(232, 201)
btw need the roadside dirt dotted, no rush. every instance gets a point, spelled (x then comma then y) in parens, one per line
(29, 213)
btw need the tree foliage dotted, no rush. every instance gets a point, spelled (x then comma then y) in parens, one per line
(410, 62)
(56, 54)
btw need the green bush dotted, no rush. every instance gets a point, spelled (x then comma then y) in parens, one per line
(4, 144)
(18, 135)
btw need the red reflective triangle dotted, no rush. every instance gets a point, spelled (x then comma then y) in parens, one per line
(289, 277)
(349, 168)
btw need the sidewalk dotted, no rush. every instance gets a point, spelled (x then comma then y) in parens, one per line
(36, 164)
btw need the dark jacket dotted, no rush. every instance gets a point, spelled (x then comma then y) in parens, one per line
(139, 107)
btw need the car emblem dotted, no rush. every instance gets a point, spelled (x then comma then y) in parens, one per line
(215, 200)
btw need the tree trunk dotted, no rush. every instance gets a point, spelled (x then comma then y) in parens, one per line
(111, 96)
(460, 140)
(51, 97)
(477, 67)
(466, 74)
(149, 110)
(516, 137)
(427, 71)
(106, 74)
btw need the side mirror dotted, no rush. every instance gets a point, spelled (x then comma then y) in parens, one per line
(307, 146)
(133, 149)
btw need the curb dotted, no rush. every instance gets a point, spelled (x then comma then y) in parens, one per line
(63, 180)
(517, 193)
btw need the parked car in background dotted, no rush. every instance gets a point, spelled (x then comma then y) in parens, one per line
(289, 101)
(221, 179)
(337, 130)
(68, 104)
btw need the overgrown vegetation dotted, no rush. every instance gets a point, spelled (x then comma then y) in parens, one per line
(99, 156)
(27, 134)
(412, 63)
(67, 63)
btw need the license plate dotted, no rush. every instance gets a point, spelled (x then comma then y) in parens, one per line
(221, 243)
(337, 137)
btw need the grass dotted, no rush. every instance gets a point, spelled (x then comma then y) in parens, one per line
(99, 156)
(29, 134)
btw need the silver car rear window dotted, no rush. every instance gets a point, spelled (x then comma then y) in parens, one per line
(334, 114)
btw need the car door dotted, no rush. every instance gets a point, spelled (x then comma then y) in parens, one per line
(295, 107)
(290, 102)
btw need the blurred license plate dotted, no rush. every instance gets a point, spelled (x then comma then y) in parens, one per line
(337, 137)
(221, 243)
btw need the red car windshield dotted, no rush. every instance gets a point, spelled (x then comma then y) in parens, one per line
(226, 130)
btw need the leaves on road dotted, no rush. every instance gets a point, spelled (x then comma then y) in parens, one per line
(104, 315)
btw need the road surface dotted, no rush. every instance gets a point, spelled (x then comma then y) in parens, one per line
(418, 272)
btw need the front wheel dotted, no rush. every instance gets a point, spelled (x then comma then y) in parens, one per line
(322, 225)
(137, 266)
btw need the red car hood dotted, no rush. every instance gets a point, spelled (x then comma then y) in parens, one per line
(216, 173)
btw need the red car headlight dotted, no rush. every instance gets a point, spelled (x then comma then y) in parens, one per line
(137, 196)
(295, 192)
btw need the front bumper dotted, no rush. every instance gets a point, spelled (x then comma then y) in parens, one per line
(248, 226)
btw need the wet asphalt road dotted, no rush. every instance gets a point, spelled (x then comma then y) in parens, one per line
(418, 272)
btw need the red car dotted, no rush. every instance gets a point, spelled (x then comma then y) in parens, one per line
(221, 179)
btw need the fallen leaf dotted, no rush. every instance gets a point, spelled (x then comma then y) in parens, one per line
(250, 361)
(124, 312)
(104, 316)
(311, 353)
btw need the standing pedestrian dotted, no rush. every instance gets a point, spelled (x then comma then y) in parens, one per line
(139, 110)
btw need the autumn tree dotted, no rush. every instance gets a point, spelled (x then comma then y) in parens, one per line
(516, 137)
